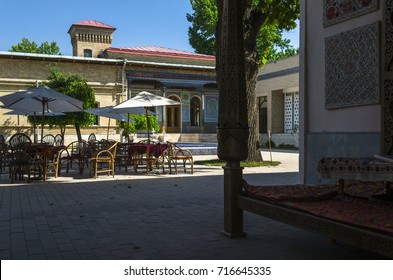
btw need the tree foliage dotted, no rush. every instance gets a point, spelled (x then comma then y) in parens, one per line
(139, 124)
(263, 24)
(28, 46)
(270, 42)
(76, 87)
(201, 34)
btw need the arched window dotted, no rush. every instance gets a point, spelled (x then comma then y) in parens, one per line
(212, 108)
(195, 111)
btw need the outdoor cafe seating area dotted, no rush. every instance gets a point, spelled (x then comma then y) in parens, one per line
(23, 158)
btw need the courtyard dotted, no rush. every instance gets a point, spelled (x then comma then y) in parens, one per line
(151, 217)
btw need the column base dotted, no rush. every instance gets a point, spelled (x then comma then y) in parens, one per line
(233, 235)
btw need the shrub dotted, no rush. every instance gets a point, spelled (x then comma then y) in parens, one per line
(272, 144)
(287, 146)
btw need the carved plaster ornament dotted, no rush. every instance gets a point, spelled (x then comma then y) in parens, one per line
(232, 116)
(352, 68)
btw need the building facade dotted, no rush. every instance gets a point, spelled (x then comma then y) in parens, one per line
(345, 81)
(278, 100)
(117, 74)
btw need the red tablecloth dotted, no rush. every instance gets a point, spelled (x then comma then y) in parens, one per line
(152, 149)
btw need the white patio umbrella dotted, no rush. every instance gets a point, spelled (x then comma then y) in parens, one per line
(110, 114)
(41, 99)
(47, 114)
(146, 100)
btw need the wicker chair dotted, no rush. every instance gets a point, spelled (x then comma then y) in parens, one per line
(174, 153)
(74, 152)
(52, 160)
(106, 159)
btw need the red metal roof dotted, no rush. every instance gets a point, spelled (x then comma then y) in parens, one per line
(94, 23)
(159, 51)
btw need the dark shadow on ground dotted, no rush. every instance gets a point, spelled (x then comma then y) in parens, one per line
(147, 217)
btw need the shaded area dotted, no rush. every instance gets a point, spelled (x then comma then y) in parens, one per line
(355, 217)
(146, 217)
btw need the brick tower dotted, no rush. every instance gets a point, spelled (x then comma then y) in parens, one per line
(89, 38)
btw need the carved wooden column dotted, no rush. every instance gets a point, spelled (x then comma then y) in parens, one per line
(232, 117)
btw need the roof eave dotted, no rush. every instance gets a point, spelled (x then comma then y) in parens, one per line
(97, 60)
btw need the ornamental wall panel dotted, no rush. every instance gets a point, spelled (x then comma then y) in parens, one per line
(389, 36)
(352, 68)
(388, 118)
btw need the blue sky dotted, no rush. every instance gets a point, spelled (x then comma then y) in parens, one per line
(139, 23)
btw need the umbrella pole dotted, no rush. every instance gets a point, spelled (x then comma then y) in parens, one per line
(42, 121)
(107, 133)
(128, 123)
(148, 127)
(34, 132)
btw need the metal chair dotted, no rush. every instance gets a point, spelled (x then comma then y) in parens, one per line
(19, 138)
(25, 159)
(92, 137)
(59, 140)
(122, 157)
(5, 156)
(49, 139)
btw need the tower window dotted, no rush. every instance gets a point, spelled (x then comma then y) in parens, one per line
(87, 53)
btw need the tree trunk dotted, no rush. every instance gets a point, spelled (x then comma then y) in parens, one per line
(78, 132)
(62, 132)
(253, 120)
(253, 21)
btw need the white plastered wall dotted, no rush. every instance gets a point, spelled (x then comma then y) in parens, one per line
(329, 132)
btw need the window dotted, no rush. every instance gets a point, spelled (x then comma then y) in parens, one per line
(291, 112)
(195, 111)
(87, 53)
(96, 119)
(262, 106)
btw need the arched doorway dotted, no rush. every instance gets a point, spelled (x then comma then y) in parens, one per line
(173, 117)
(195, 111)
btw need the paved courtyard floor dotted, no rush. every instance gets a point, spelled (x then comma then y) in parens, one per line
(157, 216)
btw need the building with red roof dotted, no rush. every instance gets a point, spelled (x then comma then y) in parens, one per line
(119, 73)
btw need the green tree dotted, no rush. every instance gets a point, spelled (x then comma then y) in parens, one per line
(76, 87)
(139, 124)
(201, 34)
(264, 22)
(28, 46)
